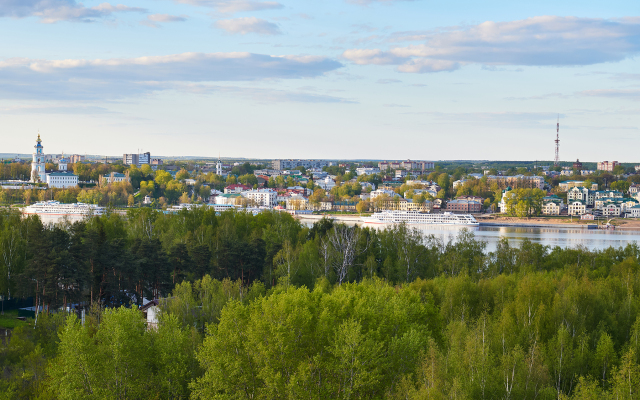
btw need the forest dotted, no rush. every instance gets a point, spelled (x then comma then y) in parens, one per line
(263, 307)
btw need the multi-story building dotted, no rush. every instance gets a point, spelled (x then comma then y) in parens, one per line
(614, 194)
(464, 206)
(532, 181)
(136, 159)
(634, 212)
(408, 165)
(236, 188)
(114, 177)
(581, 193)
(327, 183)
(577, 207)
(297, 202)
(381, 192)
(262, 197)
(76, 158)
(607, 165)
(611, 210)
(566, 185)
(552, 205)
(291, 164)
(62, 179)
(401, 173)
(367, 171)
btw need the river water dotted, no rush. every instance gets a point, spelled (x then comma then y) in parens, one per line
(551, 236)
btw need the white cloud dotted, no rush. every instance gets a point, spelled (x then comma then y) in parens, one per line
(248, 25)
(22, 78)
(153, 19)
(545, 40)
(234, 6)
(166, 18)
(51, 11)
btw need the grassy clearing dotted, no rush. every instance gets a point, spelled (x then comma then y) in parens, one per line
(9, 320)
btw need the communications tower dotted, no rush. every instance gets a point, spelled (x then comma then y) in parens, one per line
(557, 159)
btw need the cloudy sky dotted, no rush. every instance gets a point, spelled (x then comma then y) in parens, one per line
(379, 79)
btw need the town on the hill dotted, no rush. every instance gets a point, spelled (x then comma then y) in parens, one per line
(517, 189)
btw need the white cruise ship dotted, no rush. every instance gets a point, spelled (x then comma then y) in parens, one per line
(415, 217)
(56, 208)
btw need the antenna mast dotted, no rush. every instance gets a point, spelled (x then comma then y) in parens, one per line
(557, 159)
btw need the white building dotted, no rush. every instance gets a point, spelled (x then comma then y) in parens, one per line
(581, 193)
(262, 197)
(366, 185)
(115, 177)
(506, 194)
(367, 171)
(381, 192)
(62, 180)
(38, 173)
(327, 183)
(611, 210)
(634, 211)
(577, 207)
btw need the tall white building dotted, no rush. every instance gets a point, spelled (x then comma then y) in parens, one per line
(38, 173)
(219, 167)
(262, 197)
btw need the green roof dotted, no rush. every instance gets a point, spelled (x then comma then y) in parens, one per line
(62, 174)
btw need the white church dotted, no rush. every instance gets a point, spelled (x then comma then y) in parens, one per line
(58, 179)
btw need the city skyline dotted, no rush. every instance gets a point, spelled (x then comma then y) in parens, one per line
(357, 79)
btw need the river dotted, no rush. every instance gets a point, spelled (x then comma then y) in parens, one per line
(548, 236)
(552, 236)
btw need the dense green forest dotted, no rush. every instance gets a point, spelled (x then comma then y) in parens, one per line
(261, 307)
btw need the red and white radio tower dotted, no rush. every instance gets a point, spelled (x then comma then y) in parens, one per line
(557, 159)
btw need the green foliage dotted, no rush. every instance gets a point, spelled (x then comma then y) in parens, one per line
(525, 202)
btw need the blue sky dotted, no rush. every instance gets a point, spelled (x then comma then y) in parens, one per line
(323, 79)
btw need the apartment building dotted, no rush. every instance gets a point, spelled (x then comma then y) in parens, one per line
(136, 159)
(291, 164)
(464, 206)
(262, 197)
(367, 171)
(408, 165)
(607, 165)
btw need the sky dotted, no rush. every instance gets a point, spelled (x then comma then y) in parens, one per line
(331, 79)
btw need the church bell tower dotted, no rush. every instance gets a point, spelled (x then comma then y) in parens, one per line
(38, 173)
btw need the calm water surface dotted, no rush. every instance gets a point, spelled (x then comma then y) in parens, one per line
(552, 236)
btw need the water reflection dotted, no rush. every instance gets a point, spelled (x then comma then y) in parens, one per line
(552, 236)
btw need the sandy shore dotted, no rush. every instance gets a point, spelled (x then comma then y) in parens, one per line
(620, 223)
